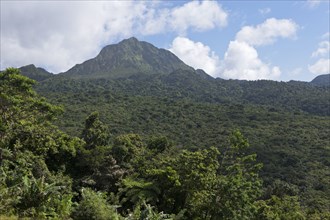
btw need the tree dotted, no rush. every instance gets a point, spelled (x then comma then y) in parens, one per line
(28, 142)
(158, 144)
(127, 147)
(204, 183)
(94, 206)
(95, 132)
(94, 165)
(286, 208)
(238, 185)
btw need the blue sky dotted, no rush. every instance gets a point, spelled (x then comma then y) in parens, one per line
(278, 40)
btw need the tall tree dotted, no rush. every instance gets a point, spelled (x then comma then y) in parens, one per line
(95, 132)
(238, 185)
(28, 142)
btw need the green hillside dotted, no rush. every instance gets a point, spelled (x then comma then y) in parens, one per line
(287, 124)
(284, 124)
(125, 58)
(322, 80)
(144, 136)
(36, 73)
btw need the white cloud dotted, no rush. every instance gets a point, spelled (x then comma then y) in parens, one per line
(322, 66)
(59, 34)
(322, 50)
(196, 55)
(156, 21)
(196, 16)
(313, 3)
(267, 32)
(264, 11)
(241, 61)
(199, 16)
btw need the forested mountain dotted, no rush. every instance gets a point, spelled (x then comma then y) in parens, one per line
(36, 73)
(300, 97)
(161, 125)
(322, 80)
(286, 124)
(126, 58)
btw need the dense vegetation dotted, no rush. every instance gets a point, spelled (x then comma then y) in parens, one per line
(287, 124)
(153, 159)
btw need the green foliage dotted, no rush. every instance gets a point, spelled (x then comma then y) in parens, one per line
(159, 144)
(286, 123)
(286, 208)
(126, 147)
(94, 205)
(43, 200)
(38, 74)
(25, 118)
(108, 174)
(98, 169)
(280, 189)
(146, 211)
(94, 165)
(95, 132)
(197, 175)
(239, 185)
(137, 190)
(28, 144)
(29, 189)
(204, 183)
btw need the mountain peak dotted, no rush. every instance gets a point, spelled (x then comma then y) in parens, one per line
(130, 40)
(36, 73)
(29, 66)
(129, 57)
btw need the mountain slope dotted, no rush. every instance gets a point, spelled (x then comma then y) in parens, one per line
(36, 73)
(128, 57)
(322, 80)
(138, 89)
(180, 84)
(293, 144)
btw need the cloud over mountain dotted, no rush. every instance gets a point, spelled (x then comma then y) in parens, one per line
(59, 34)
(196, 54)
(241, 60)
(322, 65)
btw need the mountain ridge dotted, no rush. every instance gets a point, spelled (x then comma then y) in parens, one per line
(126, 58)
(130, 57)
(36, 73)
(286, 122)
(180, 80)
